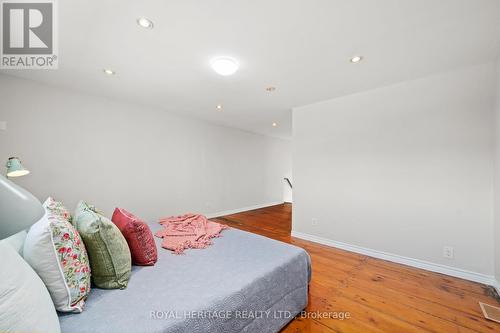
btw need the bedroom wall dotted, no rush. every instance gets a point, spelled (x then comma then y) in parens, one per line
(152, 162)
(497, 179)
(403, 170)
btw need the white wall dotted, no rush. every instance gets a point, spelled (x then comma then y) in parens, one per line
(404, 169)
(497, 179)
(148, 161)
(287, 190)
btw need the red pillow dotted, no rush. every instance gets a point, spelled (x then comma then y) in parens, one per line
(138, 235)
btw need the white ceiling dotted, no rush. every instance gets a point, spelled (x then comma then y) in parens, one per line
(302, 47)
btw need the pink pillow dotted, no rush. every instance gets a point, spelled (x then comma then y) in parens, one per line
(138, 235)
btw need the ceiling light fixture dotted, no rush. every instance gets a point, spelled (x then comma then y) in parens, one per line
(145, 23)
(356, 59)
(275, 125)
(224, 66)
(219, 107)
(270, 89)
(109, 72)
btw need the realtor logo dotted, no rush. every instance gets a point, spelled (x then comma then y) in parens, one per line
(28, 35)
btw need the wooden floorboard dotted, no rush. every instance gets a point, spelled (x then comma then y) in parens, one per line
(380, 296)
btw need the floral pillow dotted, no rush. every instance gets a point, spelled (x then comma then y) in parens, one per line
(54, 249)
(57, 208)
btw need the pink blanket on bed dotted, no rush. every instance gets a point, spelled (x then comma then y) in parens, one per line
(188, 231)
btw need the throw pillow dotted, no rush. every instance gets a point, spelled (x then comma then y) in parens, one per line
(55, 251)
(108, 250)
(138, 235)
(57, 208)
(16, 241)
(26, 305)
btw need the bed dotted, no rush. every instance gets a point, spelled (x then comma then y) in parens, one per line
(242, 283)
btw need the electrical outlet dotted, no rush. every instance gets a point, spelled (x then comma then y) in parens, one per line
(3, 125)
(448, 252)
(314, 221)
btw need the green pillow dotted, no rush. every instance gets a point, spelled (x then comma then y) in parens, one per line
(108, 251)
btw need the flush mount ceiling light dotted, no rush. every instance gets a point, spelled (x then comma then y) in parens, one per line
(356, 59)
(224, 65)
(145, 23)
(219, 107)
(108, 71)
(275, 124)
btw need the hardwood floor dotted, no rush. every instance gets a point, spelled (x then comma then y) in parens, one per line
(379, 295)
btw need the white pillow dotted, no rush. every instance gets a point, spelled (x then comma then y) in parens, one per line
(25, 304)
(55, 251)
(16, 241)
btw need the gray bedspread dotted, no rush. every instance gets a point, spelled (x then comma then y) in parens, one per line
(242, 283)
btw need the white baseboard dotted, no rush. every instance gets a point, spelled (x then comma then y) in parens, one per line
(243, 209)
(438, 268)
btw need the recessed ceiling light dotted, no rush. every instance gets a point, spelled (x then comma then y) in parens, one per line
(356, 59)
(270, 89)
(275, 125)
(109, 72)
(145, 23)
(219, 107)
(224, 65)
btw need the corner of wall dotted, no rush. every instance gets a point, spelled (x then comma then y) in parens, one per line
(496, 185)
